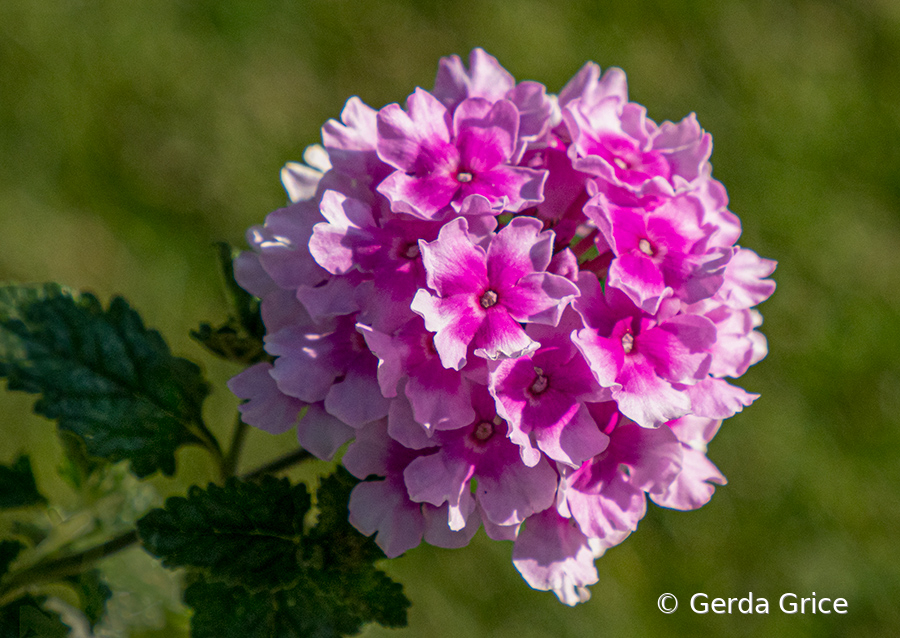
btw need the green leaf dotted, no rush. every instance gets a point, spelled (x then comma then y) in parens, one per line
(317, 606)
(93, 594)
(8, 552)
(335, 591)
(246, 533)
(341, 562)
(24, 618)
(334, 543)
(221, 611)
(17, 485)
(101, 374)
(240, 338)
(244, 305)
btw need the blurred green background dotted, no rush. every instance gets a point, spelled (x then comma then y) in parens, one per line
(134, 135)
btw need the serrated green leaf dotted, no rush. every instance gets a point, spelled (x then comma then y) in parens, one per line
(318, 606)
(17, 485)
(337, 589)
(101, 374)
(8, 552)
(25, 618)
(92, 594)
(341, 561)
(334, 543)
(246, 533)
(222, 611)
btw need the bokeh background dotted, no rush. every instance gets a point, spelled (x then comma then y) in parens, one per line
(135, 134)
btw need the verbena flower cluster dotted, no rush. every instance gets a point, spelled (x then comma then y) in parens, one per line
(521, 307)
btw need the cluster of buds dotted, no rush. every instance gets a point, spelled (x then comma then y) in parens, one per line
(521, 308)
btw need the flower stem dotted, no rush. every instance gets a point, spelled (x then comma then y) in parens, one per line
(53, 570)
(230, 463)
(48, 571)
(279, 464)
(210, 442)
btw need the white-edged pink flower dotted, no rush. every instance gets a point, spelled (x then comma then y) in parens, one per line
(442, 160)
(479, 297)
(543, 396)
(645, 361)
(613, 139)
(661, 252)
(507, 490)
(607, 494)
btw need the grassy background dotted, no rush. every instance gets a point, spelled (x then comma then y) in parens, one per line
(133, 135)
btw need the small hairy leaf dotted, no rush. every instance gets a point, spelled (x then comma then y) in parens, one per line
(92, 593)
(240, 338)
(25, 618)
(244, 305)
(101, 374)
(17, 485)
(246, 533)
(230, 343)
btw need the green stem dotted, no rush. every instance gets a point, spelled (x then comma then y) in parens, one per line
(49, 571)
(229, 465)
(54, 570)
(211, 443)
(279, 464)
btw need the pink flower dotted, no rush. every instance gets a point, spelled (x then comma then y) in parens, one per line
(643, 360)
(552, 554)
(661, 252)
(508, 491)
(614, 139)
(479, 296)
(543, 396)
(441, 161)
(440, 397)
(486, 79)
(607, 494)
(695, 483)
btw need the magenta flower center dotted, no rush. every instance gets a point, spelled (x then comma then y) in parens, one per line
(488, 299)
(645, 247)
(627, 342)
(464, 177)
